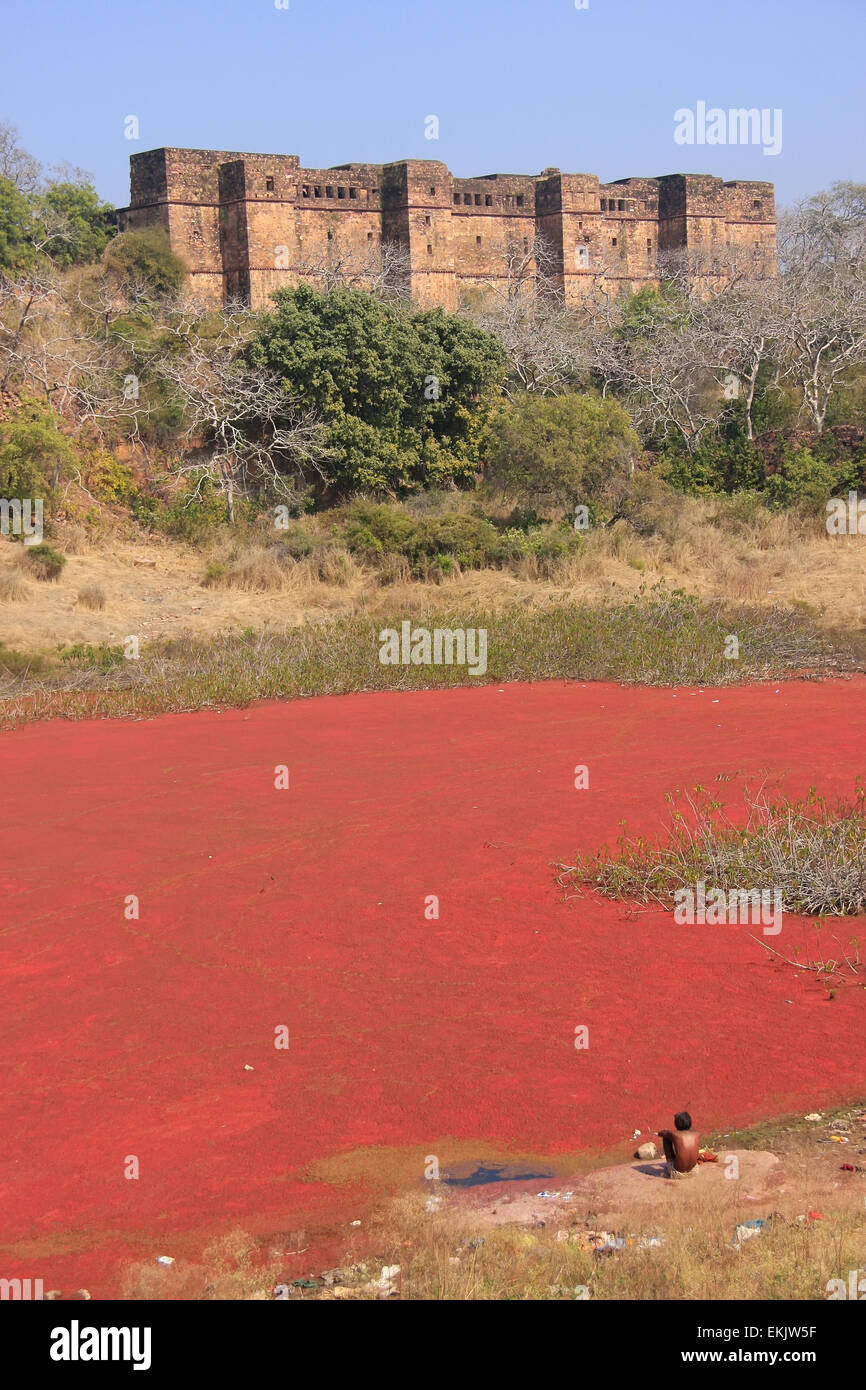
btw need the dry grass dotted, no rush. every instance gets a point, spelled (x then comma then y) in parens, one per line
(71, 537)
(13, 589)
(661, 639)
(92, 597)
(813, 853)
(442, 1259)
(714, 549)
(445, 1253)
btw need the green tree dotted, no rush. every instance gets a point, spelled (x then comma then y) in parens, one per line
(570, 449)
(17, 253)
(33, 452)
(85, 223)
(403, 393)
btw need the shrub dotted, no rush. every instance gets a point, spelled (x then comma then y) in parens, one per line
(215, 574)
(108, 479)
(651, 506)
(373, 529)
(18, 664)
(190, 517)
(102, 656)
(145, 509)
(32, 451)
(569, 449)
(297, 541)
(813, 852)
(144, 256)
(802, 477)
(43, 562)
(471, 540)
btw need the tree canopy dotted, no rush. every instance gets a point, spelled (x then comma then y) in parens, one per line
(403, 393)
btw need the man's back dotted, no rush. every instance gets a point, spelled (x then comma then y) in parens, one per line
(686, 1144)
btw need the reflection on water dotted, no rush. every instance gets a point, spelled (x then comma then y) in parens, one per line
(496, 1172)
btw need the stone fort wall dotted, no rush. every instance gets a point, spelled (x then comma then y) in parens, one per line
(245, 224)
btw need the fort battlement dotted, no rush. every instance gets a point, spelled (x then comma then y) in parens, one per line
(247, 224)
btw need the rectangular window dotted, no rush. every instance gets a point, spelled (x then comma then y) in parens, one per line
(369, 236)
(353, 192)
(649, 245)
(621, 205)
(432, 190)
(330, 234)
(318, 191)
(427, 220)
(520, 200)
(429, 249)
(306, 190)
(341, 192)
(613, 241)
(457, 197)
(604, 204)
(478, 241)
(467, 198)
(269, 185)
(488, 201)
(478, 200)
(329, 192)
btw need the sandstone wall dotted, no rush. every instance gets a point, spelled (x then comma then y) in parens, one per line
(247, 224)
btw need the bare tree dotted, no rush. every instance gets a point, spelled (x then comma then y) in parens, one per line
(822, 300)
(16, 164)
(733, 305)
(522, 304)
(25, 301)
(252, 431)
(382, 269)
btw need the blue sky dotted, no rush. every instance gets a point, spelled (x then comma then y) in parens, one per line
(517, 85)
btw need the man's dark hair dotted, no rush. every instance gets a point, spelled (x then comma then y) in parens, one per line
(683, 1120)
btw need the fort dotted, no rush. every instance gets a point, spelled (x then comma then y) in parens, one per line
(248, 224)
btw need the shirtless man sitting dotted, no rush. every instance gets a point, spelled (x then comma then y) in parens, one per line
(681, 1146)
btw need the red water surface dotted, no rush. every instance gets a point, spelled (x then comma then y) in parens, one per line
(306, 908)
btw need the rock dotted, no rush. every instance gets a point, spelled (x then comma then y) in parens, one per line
(146, 564)
(647, 1151)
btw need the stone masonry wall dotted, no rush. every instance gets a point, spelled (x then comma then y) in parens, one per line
(247, 224)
